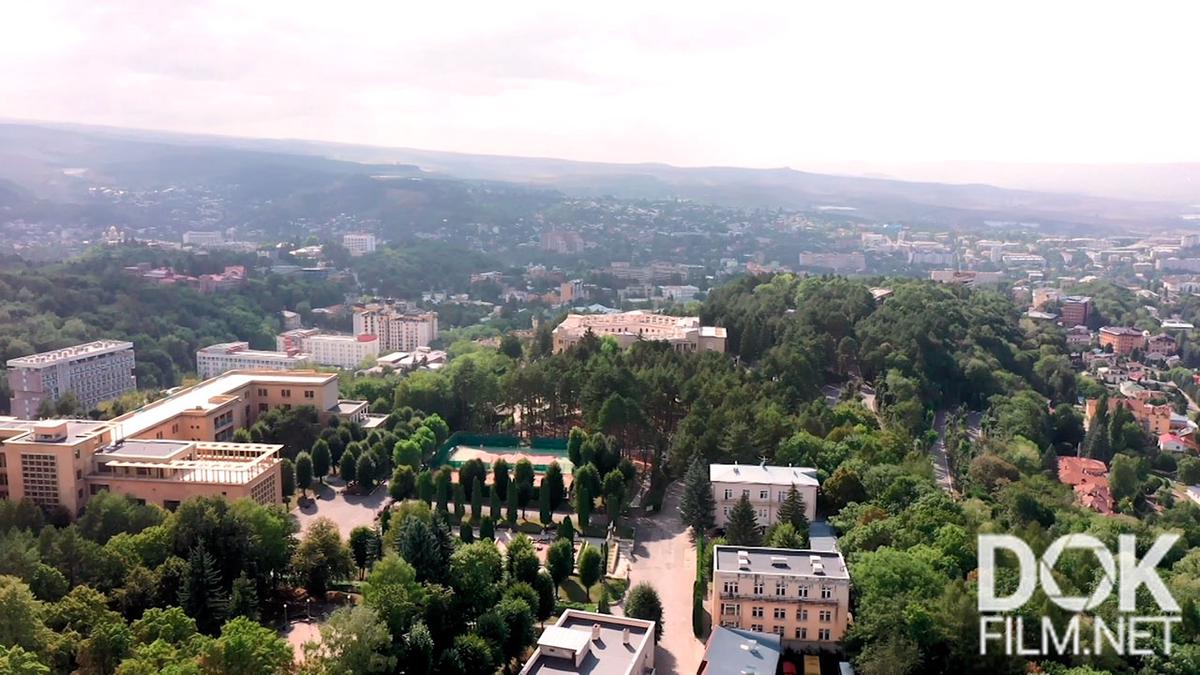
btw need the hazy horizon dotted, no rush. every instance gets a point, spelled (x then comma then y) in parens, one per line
(769, 86)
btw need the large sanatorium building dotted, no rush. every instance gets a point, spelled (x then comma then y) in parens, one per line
(170, 450)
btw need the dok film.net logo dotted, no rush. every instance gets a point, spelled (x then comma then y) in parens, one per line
(1000, 630)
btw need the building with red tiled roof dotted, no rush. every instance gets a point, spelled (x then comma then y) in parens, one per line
(1089, 478)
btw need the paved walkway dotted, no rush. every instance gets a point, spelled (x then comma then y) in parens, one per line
(665, 558)
(348, 511)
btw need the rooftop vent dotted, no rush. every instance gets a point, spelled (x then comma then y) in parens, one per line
(596, 632)
(779, 561)
(625, 636)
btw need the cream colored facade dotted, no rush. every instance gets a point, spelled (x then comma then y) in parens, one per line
(684, 333)
(398, 331)
(213, 360)
(766, 486)
(803, 596)
(169, 450)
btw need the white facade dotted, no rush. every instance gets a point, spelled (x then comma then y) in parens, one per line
(679, 293)
(216, 359)
(215, 238)
(342, 351)
(397, 331)
(359, 244)
(766, 486)
(94, 372)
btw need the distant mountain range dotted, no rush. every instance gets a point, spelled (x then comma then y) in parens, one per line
(51, 160)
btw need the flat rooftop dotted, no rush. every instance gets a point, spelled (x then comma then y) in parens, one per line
(762, 474)
(735, 650)
(199, 396)
(70, 353)
(77, 430)
(144, 449)
(607, 656)
(785, 561)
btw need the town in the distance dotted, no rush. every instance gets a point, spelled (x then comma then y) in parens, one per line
(428, 425)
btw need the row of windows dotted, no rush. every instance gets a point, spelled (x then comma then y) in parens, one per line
(763, 495)
(823, 634)
(780, 613)
(781, 588)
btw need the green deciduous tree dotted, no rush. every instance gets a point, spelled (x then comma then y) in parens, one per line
(560, 561)
(322, 557)
(591, 566)
(643, 603)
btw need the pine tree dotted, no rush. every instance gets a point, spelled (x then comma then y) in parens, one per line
(514, 495)
(466, 532)
(742, 528)
(697, 506)
(1096, 444)
(243, 599)
(200, 593)
(460, 496)
(494, 504)
(583, 505)
(476, 500)
(792, 510)
(544, 512)
(487, 530)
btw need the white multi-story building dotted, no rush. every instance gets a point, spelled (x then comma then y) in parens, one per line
(215, 238)
(684, 333)
(216, 359)
(681, 294)
(94, 372)
(342, 351)
(398, 331)
(766, 487)
(359, 244)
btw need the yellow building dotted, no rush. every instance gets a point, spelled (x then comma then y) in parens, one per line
(803, 596)
(169, 450)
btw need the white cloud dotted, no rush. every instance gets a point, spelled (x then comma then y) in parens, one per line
(683, 82)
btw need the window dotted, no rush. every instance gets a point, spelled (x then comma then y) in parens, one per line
(823, 634)
(756, 612)
(802, 615)
(758, 587)
(262, 407)
(262, 392)
(731, 587)
(725, 510)
(802, 591)
(286, 393)
(826, 592)
(778, 630)
(764, 495)
(746, 494)
(781, 587)
(782, 496)
(780, 613)
(728, 493)
(801, 633)
(756, 627)
(310, 394)
(730, 610)
(825, 616)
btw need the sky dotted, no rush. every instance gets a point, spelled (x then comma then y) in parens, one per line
(683, 82)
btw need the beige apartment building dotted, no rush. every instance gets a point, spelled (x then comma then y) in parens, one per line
(398, 330)
(684, 333)
(170, 450)
(765, 486)
(803, 596)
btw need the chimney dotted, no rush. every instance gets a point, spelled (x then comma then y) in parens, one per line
(625, 636)
(596, 632)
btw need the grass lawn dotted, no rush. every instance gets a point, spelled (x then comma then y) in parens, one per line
(573, 590)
